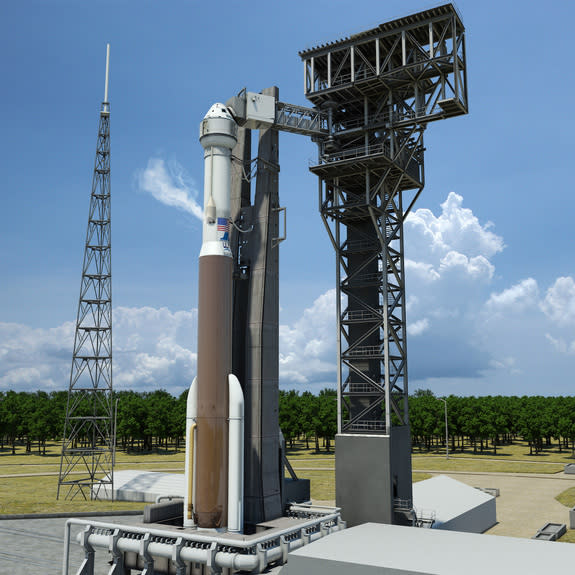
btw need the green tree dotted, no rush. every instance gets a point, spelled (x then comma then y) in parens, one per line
(289, 415)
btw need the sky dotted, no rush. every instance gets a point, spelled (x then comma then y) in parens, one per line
(489, 247)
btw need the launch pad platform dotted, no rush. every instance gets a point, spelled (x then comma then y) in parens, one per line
(159, 549)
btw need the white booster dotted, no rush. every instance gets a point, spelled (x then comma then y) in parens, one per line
(189, 465)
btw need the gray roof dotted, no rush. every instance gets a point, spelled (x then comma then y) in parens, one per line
(391, 549)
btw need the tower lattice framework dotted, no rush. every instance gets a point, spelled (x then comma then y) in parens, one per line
(86, 465)
(380, 89)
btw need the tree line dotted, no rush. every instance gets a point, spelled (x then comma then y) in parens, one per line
(144, 420)
(487, 422)
(148, 421)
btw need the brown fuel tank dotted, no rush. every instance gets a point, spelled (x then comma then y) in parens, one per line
(214, 366)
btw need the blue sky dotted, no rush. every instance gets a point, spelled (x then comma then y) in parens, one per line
(489, 249)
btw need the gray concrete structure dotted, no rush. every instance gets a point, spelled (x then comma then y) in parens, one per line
(550, 532)
(394, 550)
(254, 242)
(377, 495)
(455, 505)
(295, 490)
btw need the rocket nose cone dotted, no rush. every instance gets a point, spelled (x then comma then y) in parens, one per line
(218, 111)
(218, 128)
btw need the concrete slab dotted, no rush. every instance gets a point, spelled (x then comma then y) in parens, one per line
(380, 549)
(147, 486)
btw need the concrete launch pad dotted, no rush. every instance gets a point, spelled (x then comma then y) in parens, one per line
(391, 549)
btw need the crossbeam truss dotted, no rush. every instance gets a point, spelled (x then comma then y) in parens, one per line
(378, 90)
(86, 464)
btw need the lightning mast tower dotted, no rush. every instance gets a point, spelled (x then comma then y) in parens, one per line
(86, 464)
(380, 88)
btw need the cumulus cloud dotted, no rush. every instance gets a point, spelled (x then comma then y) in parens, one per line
(474, 268)
(32, 358)
(517, 298)
(449, 269)
(422, 271)
(456, 230)
(464, 335)
(170, 185)
(448, 260)
(559, 302)
(418, 327)
(153, 348)
(308, 350)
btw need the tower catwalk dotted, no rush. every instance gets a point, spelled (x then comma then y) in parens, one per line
(86, 464)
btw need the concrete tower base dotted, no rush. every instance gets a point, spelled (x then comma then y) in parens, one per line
(373, 477)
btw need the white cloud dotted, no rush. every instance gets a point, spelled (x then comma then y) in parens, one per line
(170, 185)
(560, 345)
(153, 348)
(448, 258)
(308, 347)
(456, 229)
(418, 327)
(421, 270)
(505, 364)
(517, 298)
(474, 268)
(156, 348)
(559, 303)
(463, 334)
(449, 269)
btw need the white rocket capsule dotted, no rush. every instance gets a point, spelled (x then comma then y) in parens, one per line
(218, 136)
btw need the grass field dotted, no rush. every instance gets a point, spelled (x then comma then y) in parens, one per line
(567, 497)
(28, 482)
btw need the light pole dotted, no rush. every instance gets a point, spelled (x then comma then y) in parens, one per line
(446, 429)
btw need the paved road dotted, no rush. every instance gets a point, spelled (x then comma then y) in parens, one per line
(35, 546)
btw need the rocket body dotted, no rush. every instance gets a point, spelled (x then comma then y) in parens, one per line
(218, 134)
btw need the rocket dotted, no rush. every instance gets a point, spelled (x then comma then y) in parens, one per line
(214, 415)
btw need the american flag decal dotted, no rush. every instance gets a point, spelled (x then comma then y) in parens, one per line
(223, 225)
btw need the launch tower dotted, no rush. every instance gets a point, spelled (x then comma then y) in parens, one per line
(379, 88)
(88, 441)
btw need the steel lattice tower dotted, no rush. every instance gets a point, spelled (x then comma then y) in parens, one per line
(380, 89)
(86, 463)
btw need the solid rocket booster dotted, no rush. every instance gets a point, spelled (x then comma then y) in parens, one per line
(218, 135)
